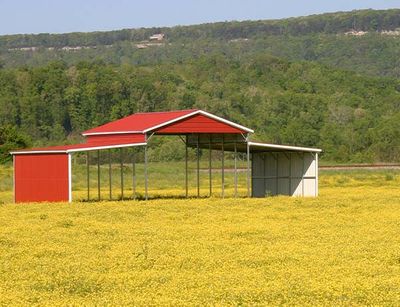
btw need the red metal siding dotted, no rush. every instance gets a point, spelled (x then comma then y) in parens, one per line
(41, 177)
(198, 124)
(115, 139)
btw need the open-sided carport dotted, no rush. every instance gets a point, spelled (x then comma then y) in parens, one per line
(45, 174)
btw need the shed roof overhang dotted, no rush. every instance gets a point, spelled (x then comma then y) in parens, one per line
(254, 147)
(263, 147)
(75, 148)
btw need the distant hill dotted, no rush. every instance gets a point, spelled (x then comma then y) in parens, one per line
(366, 41)
(331, 23)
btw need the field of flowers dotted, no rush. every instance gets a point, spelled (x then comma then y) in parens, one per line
(342, 248)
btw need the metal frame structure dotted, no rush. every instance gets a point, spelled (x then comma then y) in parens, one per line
(197, 129)
(210, 146)
(284, 170)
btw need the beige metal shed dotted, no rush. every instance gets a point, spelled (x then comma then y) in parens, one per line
(283, 170)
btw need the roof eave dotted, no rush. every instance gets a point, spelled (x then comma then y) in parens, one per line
(67, 151)
(286, 147)
(108, 133)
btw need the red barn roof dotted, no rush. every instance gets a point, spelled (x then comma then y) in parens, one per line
(132, 130)
(147, 122)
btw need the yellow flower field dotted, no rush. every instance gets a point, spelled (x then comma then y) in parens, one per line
(342, 248)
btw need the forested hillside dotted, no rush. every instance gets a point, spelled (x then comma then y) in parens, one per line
(352, 117)
(334, 83)
(331, 23)
(365, 41)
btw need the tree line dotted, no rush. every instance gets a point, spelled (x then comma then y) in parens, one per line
(351, 116)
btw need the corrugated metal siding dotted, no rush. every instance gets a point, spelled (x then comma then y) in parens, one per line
(115, 139)
(41, 177)
(284, 173)
(198, 124)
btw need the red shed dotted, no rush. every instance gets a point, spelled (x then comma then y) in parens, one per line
(44, 174)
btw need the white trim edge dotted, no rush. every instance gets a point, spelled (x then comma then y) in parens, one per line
(36, 152)
(294, 148)
(105, 147)
(118, 132)
(76, 150)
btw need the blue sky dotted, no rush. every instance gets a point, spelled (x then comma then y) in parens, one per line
(59, 16)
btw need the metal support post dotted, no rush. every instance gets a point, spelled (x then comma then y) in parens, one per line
(302, 176)
(133, 173)
(198, 166)
(88, 175)
(109, 172)
(290, 173)
(248, 168)
(316, 174)
(145, 174)
(235, 174)
(121, 157)
(277, 175)
(186, 170)
(98, 175)
(223, 167)
(209, 164)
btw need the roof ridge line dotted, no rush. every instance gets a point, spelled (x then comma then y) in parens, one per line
(186, 110)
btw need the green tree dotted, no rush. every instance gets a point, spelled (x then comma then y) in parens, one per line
(11, 139)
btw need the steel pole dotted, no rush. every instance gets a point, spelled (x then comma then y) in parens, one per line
(98, 175)
(145, 174)
(109, 172)
(133, 173)
(122, 172)
(198, 166)
(209, 164)
(277, 174)
(290, 173)
(316, 174)
(302, 177)
(248, 169)
(88, 175)
(223, 167)
(186, 169)
(235, 159)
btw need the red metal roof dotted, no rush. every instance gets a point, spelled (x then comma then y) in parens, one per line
(139, 122)
(131, 130)
(153, 121)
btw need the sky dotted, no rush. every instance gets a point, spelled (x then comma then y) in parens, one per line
(61, 16)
